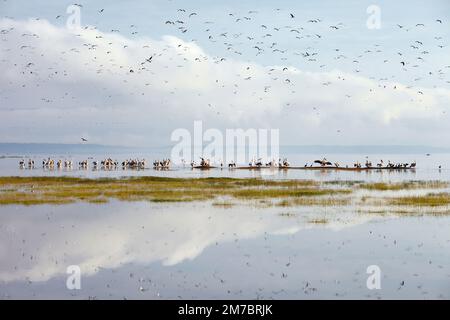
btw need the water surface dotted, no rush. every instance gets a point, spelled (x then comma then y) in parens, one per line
(143, 250)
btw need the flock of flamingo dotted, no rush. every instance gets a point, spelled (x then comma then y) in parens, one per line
(84, 164)
(110, 164)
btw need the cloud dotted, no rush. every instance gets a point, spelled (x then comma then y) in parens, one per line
(38, 249)
(57, 85)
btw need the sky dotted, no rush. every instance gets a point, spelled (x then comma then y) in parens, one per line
(135, 71)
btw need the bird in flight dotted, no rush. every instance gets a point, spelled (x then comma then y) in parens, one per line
(83, 139)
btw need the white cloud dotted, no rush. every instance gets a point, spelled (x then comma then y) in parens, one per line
(82, 85)
(40, 249)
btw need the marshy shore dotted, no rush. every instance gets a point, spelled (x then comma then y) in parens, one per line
(395, 197)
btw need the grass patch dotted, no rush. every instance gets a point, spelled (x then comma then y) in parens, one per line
(223, 204)
(429, 200)
(409, 185)
(284, 193)
(41, 190)
(99, 200)
(347, 183)
(223, 192)
(318, 221)
(323, 202)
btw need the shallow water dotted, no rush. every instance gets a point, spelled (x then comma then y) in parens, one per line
(144, 250)
(154, 251)
(428, 168)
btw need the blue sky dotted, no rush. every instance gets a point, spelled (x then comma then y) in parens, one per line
(353, 50)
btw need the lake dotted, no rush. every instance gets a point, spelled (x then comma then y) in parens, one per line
(191, 251)
(195, 250)
(427, 167)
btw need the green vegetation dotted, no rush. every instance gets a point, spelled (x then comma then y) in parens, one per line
(429, 200)
(318, 221)
(383, 186)
(62, 190)
(314, 201)
(227, 192)
(223, 204)
(283, 193)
